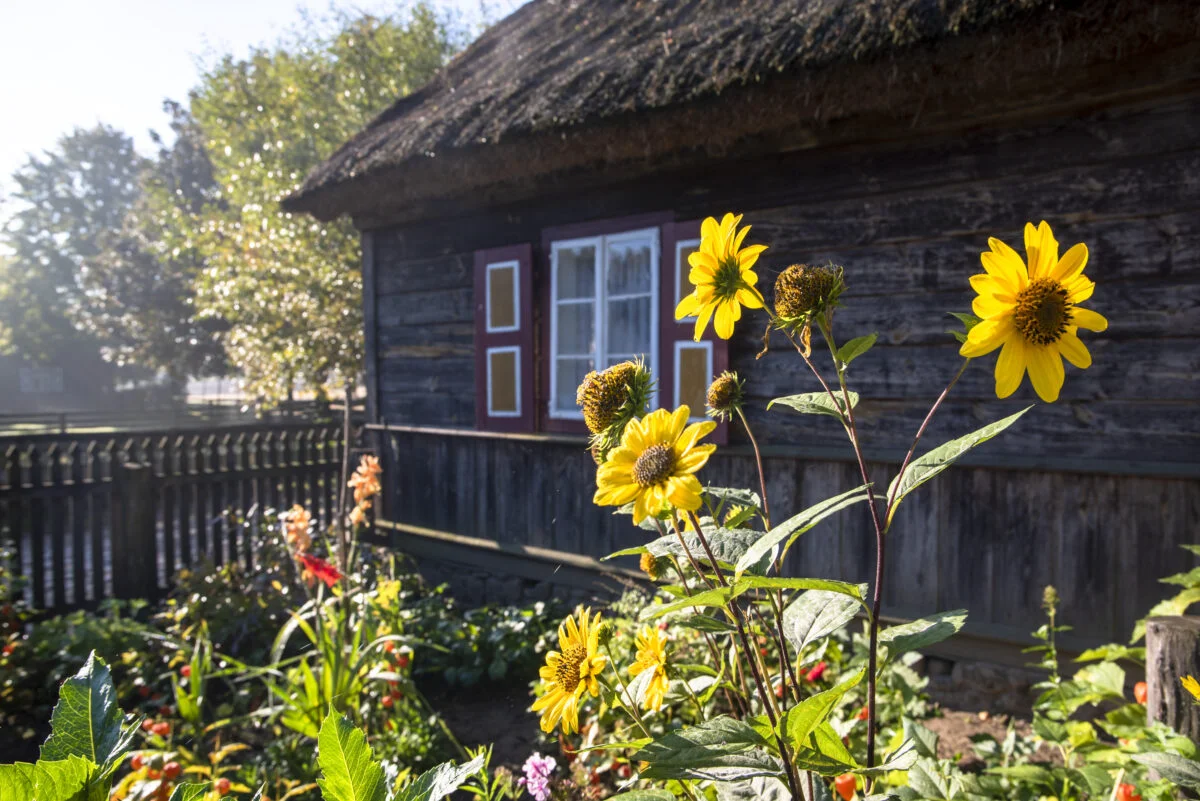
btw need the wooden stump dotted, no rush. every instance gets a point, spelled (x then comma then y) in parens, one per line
(1173, 651)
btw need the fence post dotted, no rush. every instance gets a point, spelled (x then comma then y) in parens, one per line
(1172, 652)
(134, 545)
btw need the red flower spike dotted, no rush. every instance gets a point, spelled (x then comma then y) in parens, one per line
(817, 672)
(321, 569)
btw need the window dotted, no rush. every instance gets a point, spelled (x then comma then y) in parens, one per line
(603, 309)
(504, 381)
(504, 339)
(503, 293)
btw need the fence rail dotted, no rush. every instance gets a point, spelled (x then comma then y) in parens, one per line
(115, 515)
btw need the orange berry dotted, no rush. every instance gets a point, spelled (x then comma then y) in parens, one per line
(1140, 691)
(162, 728)
(779, 690)
(863, 714)
(186, 671)
(387, 702)
(147, 724)
(137, 762)
(222, 787)
(1127, 792)
(845, 786)
(389, 646)
(153, 774)
(171, 770)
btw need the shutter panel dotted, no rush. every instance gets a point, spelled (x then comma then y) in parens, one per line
(504, 339)
(687, 366)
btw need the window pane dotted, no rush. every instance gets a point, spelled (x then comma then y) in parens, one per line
(628, 268)
(576, 273)
(576, 329)
(569, 377)
(502, 375)
(502, 306)
(629, 326)
(693, 378)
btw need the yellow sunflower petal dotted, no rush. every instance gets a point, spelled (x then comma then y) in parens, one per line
(703, 265)
(749, 299)
(1074, 351)
(1004, 266)
(1010, 367)
(1071, 264)
(740, 237)
(694, 459)
(989, 307)
(615, 495)
(985, 337)
(693, 433)
(688, 307)
(1079, 289)
(725, 319)
(1041, 249)
(684, 492)
(709, 228)
(748, 256)
(1045, 372)
(702, 318)
(1086, 318)
(642, 509)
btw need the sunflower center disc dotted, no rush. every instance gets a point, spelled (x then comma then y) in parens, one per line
(654, 466)
(1043, 312)
(567, 674)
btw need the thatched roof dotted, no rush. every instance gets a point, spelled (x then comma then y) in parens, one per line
(556, 66)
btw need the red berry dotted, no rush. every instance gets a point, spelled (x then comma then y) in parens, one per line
(147, 724)
(153, 774)
(817, 672)
(1140, 691)
(387, 702)
(389, 646)
(222, 787)
(162, 729)
(136, 762)
(845, 786)
(171, 770)
(762, 651)
(1127, 792)
(186, 671)
(779, 690)
(402, 661)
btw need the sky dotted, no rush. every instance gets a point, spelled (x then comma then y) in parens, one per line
(68, 63)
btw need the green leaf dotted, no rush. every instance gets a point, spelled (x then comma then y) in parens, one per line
(707, 623)
(1095, 778)
(1189, 579)
(902, 758)
(796, 525)
(827, 742)
(639, 550)
(721, 749)
(1028, 774)
(86, 721)
(760, 788)
(925, 740)
(189, 792)
(720, 497)
(803, 719)
(728, 545)
(817, 403)
(969, 321)
(923, 632)
(924, 468)
(855, 348)
(1106, 679)
(439, 782)
(47, 780)
(926, 779)
(717, 596)
(645, 795)
(1173, 768)
(349, 773)
(817, 614)
(1168, 608)
(746, 583)
(1112, 653)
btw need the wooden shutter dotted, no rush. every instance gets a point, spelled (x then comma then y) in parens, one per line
(687, 367)
(504, 339)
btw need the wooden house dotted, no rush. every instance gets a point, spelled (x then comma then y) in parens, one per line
(527, 216)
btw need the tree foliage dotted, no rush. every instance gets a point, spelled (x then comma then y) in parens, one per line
(289, 287)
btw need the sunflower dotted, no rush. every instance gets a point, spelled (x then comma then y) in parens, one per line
(655, 465)
(722, 275)
(652, 655)
(1032, 312)
(570, 672)
(1192, 686)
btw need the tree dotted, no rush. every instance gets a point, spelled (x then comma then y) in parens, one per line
(138, 292)
(289, 287)
(67, 202)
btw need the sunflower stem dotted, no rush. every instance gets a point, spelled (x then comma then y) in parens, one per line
(627, 700)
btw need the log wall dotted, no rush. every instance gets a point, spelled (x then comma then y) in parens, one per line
(1093, 493)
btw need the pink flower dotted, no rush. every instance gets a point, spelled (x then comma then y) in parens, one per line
(537, 770)
(817, 672)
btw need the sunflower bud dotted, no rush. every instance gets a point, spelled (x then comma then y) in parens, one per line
(605, 634)
(610, 399)
(653, 566)
(802, 291)
(1050, 599)
(725, 396)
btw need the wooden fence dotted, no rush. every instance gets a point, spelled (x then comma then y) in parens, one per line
(115, 515)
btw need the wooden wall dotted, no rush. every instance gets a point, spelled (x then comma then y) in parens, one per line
(1093, 493)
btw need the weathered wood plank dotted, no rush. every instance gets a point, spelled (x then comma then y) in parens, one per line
(421, 308)
(398, 275)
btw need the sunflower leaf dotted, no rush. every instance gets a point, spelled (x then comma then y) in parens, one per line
(816, 614)
(716, 597)
(349, 772)
(816, 403)
(926, 467)
(1173, 768)
(923, 632)
(439, 782)
(721, 749)
(794, 526)
(855, 348)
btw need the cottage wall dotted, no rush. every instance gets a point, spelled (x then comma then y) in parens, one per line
(1094, 493)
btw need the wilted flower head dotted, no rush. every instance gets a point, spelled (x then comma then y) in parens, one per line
(725, 396)
(653, 566)
(610, 399)
(802, 291)
(365, 481)
(537, 770)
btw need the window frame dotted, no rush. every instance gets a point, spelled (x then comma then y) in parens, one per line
(515, 350)
(563, 422)
(515, 266)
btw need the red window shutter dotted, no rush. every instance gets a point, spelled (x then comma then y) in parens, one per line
(504, 339)
(687, 366)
